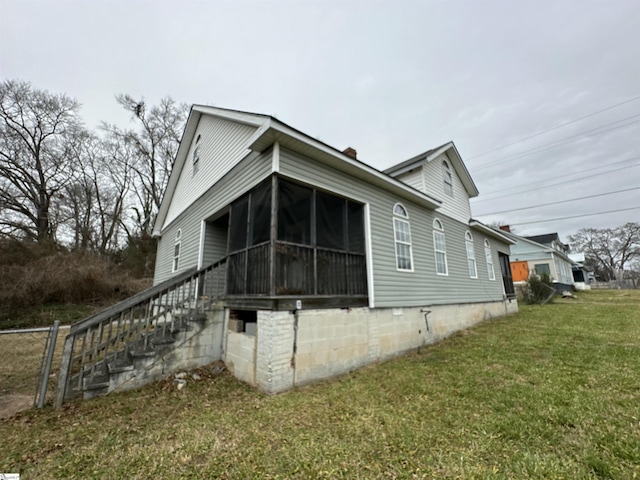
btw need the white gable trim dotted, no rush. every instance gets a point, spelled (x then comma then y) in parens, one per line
(451, 152)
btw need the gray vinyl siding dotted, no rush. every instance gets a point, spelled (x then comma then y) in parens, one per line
(393, 288)
(414, 178)
(222, 145)
(455, 207)
(244, 176)
(216, 243)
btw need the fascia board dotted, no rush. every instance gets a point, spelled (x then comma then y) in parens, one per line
(461, 170)
(246, 118)
(274, 130)
(178, 165)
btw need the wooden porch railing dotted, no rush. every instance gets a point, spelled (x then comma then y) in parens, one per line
(108, 339)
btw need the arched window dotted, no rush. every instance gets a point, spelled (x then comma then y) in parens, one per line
(176, 250)
(440, 248)
(195, 161)
(487, 254)
(471, 255)
(402, 236)
(447, 178)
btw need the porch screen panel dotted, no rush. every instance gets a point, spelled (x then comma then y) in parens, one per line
(236, 273)
(355, 227)
(332, 272)
(330, 221)
(260, 219)
(294, 213)
(294, 270)
(356, 275)
(258, 273)
(238, 225)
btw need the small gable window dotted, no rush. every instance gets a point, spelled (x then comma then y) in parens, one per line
(487, 254)
(440, 248)
(402, 236)
(471, 255)
(176, 251)
(195, 161)
(447, 178)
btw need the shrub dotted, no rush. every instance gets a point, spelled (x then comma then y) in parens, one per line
(32, 275)
(539, 289)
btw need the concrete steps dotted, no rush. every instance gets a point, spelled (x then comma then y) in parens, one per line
(148, 358)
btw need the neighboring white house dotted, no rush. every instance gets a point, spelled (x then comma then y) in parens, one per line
(330, 263)
(582, 276)
(541, 254)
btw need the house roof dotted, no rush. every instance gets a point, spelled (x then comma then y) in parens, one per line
(539, 245)
(270, 130)
(454, 156)
(547, 238)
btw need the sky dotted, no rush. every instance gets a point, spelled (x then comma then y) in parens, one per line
(541, 98)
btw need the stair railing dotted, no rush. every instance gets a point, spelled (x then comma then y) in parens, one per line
(110, 337)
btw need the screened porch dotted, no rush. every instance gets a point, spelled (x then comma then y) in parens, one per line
(289, 243)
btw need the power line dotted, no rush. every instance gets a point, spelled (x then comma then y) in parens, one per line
(560, 201)
(555, 128)
(562, 141)
(540, 187)
(575, 216)
(537, 182)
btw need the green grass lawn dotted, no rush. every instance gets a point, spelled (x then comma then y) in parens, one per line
(553, 392)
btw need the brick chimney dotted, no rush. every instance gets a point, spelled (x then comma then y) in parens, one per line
(350, 152)
(506, 228)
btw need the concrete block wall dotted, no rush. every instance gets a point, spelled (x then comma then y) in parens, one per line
(240, 356)
(192, 349)
(274, 355)
(297, 348)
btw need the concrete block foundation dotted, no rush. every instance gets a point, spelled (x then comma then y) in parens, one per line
(288, 349)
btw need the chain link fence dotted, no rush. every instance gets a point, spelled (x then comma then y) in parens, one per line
(30, 359)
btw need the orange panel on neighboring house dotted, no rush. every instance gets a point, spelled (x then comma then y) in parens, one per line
(520, 271)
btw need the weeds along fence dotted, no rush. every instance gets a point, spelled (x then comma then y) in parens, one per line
(29, 364)
(616, 285)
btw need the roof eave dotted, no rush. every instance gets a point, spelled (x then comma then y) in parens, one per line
(275, 130)
(492, 232)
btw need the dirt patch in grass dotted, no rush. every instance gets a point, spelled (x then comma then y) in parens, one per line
(12, 404)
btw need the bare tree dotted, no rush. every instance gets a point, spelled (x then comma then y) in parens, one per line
(38, 131)
(95, 201)
(614, 249)
(155, 144)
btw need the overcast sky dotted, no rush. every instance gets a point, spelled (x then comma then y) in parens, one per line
(391, 79)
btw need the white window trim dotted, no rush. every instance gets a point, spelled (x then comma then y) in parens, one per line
(439, 229)
(400, 218)
(491, 272)
(175, 262)
(468, 240)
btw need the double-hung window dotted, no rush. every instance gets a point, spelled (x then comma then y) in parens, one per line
(402, 236)
(195, 161)
(440, 248)
(176, 251)
(487, 254)
(447, 178)
(471, 255)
